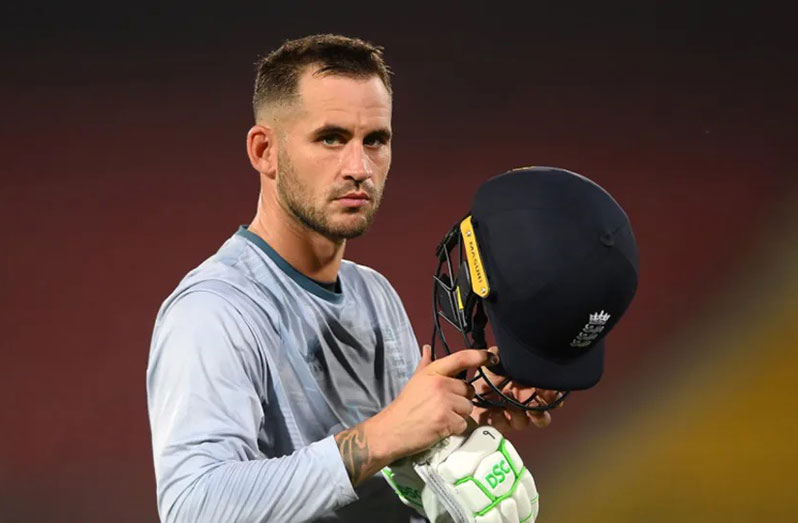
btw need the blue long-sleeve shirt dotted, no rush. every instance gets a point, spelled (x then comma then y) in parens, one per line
(253, 368)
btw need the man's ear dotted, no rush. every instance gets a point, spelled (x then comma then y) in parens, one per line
(262, 149)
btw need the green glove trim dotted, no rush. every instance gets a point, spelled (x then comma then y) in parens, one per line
(531, 513)
(496, 500)
(409, 494)
(507, 457)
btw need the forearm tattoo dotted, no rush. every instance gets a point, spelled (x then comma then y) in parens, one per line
(355, 451)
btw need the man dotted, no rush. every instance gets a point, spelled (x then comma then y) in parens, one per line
(282, 377)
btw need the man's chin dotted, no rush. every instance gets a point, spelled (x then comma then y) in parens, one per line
(350, 227)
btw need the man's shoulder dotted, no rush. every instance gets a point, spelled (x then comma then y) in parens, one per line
(232, 273)
(367, 280)
(227, 268)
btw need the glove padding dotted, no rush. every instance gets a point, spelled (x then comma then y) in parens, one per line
(477, 477)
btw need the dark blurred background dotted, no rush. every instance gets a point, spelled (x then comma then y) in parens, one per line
(122, 166)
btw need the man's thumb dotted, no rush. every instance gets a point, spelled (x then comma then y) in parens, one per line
(426, 357)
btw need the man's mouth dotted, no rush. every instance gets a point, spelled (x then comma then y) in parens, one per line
(354, 199)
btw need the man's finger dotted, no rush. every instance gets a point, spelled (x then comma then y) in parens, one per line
(462, 406)
(522, 394)
(539, 419)
(461, 388)
(495, 378)
(549, 395)
(557, 396)
(426, 357)
(499, 421)
(517, 417)
(461, 360)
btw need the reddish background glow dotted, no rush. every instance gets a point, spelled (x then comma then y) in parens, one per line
(123, 166)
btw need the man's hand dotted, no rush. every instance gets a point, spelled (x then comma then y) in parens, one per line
(433, 405)
(471, 478)
(506, 418)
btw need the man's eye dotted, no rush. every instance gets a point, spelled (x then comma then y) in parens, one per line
(331, 140)
(373, 142)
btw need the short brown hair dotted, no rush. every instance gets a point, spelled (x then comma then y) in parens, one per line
(278, 72)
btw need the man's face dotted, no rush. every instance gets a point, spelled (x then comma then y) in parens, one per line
(334, 153)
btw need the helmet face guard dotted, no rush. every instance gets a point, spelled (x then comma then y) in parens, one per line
(460, 285)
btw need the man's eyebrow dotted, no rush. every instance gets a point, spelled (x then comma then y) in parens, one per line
(332, 129)
(381, 134)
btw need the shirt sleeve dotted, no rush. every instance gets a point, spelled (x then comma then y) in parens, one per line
(205, 409)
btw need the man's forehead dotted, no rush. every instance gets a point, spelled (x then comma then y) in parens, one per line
(334, 92)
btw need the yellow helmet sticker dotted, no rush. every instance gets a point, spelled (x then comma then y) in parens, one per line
(479, 281)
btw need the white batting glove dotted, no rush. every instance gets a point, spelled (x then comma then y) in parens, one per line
(474, 478)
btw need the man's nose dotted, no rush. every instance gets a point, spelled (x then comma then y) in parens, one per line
(356, 163)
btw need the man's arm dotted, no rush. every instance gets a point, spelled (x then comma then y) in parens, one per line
(432, 405)
(205, 414)
(358, 459)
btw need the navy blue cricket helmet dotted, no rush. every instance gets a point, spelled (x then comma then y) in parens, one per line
(548, 258)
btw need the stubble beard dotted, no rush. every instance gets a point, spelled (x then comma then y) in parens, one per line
(294, 197)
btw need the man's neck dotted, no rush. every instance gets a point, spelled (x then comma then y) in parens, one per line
(307, 251)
